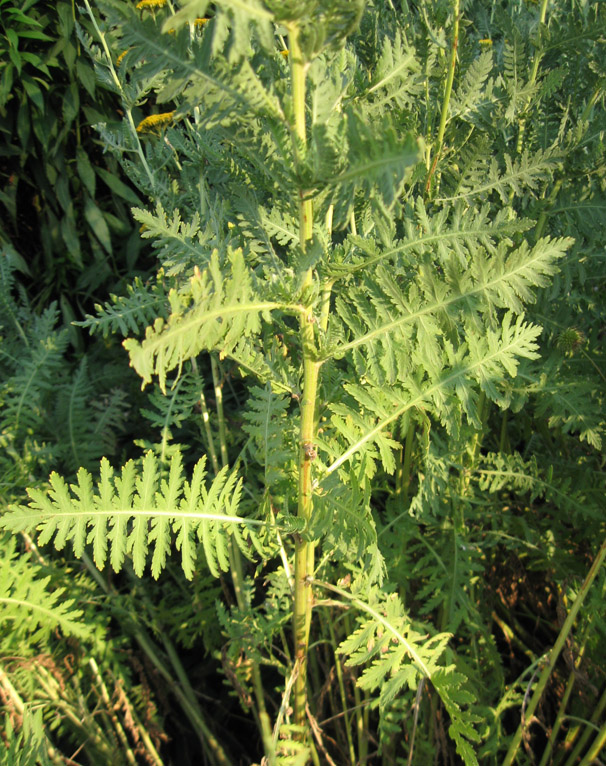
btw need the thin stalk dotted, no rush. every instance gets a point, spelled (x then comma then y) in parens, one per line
(118, 84)
(237, 576)
(304, 551)
(186, 697)
(415, 722)
(597, 746)
(15, 700)
(504, 444)
(447, 93)
(360, 709)
(210, 442)
(553, 735)
(572, 735)
(555, 653)
(540, 227)
(220, 413)
(126, 749)
(339, 670)
(403, 477)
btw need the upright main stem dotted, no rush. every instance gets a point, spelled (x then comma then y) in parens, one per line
(304, 551)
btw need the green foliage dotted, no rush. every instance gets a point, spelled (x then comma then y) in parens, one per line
(61, 201)
(157, 509)
(402, 285)
(28, 605)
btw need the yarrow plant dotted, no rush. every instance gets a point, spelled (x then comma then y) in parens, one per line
(350, 204)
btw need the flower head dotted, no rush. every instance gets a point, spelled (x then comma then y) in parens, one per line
(155, 121)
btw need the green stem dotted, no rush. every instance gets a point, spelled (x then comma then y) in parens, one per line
(186, 695)
(540, 227)
(118, 84)
(361, 710)
(339, 670)
(210, 442)
(447, 93)
(304, 551)
(220, 413)
(237, 576)
(593, 752)
(555, 653)
(403, 477)
(533, 76)
(573, 734)
(562, 709)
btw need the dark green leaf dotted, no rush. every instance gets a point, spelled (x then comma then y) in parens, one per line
(33, 34)
(71, 103)
(13, 38)
(33, 92)
(86, 76)
(119, 187)
(86, 171)
(97, 223)
(69, 233)
(15, 58)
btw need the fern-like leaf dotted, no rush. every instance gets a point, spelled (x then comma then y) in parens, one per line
(136, 512)
(128, 313)
(30, 608)
(399, 656)
(213, 312)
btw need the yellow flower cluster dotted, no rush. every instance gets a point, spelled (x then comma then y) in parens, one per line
(155, 122)
(150, 4)
(120, 57)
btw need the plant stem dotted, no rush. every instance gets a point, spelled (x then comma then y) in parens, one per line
(210, 442)
(360, 709)
(573, 733)
(533, 76)
(447, 94)
(339, 671)
(593, 752)
(220, 414)
(555, 653)
(304, 551)
(547, 757)
(118, 84)
(403, 474)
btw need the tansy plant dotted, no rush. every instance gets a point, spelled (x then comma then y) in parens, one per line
(343, 201)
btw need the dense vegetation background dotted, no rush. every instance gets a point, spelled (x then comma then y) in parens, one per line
(454, 154)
